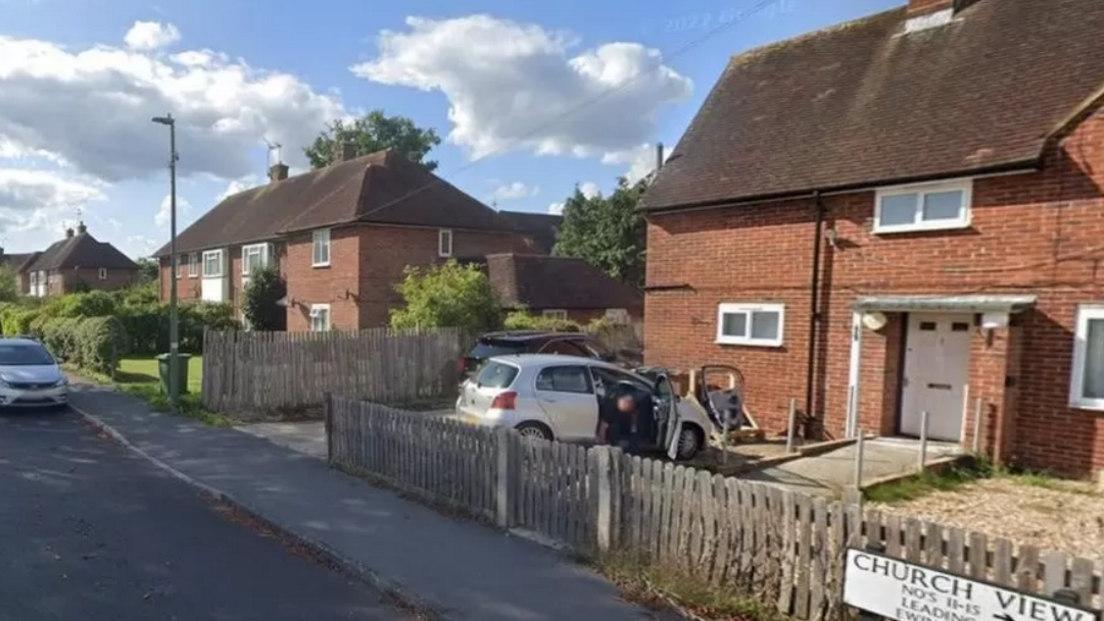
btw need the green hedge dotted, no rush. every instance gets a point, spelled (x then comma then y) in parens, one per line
(94, 343)
(521, 320)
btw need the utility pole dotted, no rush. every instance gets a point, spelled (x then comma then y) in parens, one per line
(174, 318)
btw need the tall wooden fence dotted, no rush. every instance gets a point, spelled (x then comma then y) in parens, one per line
(258, 371)
(783, 547)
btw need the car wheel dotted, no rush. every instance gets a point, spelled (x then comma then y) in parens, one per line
(535, 431)
(689, 443)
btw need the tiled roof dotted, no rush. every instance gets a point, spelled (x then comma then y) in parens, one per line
(381, 188)
(866, 104)
(81, 250)
(544, 282)
(540, 226)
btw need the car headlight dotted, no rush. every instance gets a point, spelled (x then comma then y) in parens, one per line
(64, 381)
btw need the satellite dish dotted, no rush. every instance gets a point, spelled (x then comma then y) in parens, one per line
(875, 321)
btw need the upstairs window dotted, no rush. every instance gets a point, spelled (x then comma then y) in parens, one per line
(193, 265)
(444, 243)
(320, 248)
(1087, 382)
(254, 257)
(928, 207)
(212, 264)
(103, 273)
(750, 324)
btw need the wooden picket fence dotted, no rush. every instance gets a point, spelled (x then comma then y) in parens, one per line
(780, 546)
(259, 371)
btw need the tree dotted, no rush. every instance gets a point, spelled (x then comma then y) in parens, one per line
(259, 306)
(375, 132)
(607, 232)
(447, 296)
(9, 284)
(148, 269)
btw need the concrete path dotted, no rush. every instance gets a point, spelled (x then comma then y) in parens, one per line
(829, 474)
(458, 568)
(90, 531)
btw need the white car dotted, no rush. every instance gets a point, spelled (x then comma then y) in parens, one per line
(30, 376)
(556, 397)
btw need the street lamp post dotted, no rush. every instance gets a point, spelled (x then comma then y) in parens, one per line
(174, 327)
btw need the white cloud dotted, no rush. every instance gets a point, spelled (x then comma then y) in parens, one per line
(556, 209)
(90, 109)
(146, 36)
(518, 86)
(164, 212)
(589, 189)
(514, 191)
(36, 199)
(641, 161)
(140, 246)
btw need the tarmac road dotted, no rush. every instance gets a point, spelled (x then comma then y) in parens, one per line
(90, 531)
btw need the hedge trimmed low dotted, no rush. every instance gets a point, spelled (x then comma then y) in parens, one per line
(93, 343)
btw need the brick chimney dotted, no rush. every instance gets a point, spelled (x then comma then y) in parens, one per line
(82, 229)
(344, 151)
(69, 232)
(277, 172)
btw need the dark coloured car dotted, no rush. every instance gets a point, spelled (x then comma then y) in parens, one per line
(533, 342)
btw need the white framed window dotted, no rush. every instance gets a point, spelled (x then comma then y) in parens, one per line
(193, 265)
(760, 325)
(444, 243)
(923, 207)
(103, 273)
(254, 256)
(213, 264)
(320, 318)
(617, 315)
(1087, 381)
(554, 313)
(178, 266)
(320, 248)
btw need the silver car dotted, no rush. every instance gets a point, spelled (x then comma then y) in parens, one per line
(30, 376)
(556, 397)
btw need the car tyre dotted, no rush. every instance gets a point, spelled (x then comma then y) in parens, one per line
(536, 431)
(689, 443)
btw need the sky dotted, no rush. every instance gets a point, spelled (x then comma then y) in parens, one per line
(531, 99)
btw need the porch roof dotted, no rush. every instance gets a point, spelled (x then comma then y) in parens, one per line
(948, 303)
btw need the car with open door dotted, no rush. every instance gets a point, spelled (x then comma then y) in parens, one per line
(508, 342)
(555, 397)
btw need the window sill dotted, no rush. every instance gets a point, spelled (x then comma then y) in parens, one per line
(760, 344)
(319, 265)
(956, 225)
(1088, 406)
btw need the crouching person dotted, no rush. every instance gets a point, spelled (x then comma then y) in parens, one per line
(618, 419)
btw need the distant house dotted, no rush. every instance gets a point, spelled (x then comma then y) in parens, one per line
(899, 220)
(16, 265)
(541, 226)
(562, 288)
(341, 236)
(77, 262)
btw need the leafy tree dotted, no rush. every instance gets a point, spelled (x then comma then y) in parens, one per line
(606, 231)
(148, 269)
(9, 284)
(447, 296)
(266, 287)
(375, 132)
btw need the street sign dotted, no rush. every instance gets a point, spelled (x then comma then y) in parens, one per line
(904, 591)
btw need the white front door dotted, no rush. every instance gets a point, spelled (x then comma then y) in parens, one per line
(937, 368)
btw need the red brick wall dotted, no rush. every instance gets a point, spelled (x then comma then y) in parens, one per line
(1036, 233)
(116, 279)
(190, 288)
(366, 262)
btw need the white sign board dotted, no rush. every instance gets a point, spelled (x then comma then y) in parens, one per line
(904, 591)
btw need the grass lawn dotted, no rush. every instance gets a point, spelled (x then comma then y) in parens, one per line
(139, 377)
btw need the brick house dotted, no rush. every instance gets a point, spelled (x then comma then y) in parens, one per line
(341, 236)
(900, 215)
(78, 262)
(581, 292)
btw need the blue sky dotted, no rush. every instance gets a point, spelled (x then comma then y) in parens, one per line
(79, 80)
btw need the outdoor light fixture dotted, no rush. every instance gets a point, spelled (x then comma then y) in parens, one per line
(174, 319)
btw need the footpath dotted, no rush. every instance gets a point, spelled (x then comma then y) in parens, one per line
(457, 569)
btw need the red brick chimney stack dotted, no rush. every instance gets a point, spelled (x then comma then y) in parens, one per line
(924, 7)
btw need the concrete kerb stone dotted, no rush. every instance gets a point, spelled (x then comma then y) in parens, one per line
(331, 556)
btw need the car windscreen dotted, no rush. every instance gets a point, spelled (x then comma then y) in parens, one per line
(497, 375)
(24, 355)
(490, 349)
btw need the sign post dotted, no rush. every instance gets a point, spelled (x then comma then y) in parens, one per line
(895, 589)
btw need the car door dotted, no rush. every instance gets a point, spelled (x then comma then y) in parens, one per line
(667, 408)
(566, 395)
(606, 379)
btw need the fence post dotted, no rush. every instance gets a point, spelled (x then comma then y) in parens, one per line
(327, 410)
(859, 459)
(923, 457)
(605, 498)
(977, 426)
(502, 482)
(790, 429)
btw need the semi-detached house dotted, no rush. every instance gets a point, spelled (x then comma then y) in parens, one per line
(341, 236)
(899, 215)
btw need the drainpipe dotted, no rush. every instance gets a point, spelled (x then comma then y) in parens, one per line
(814, 312)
